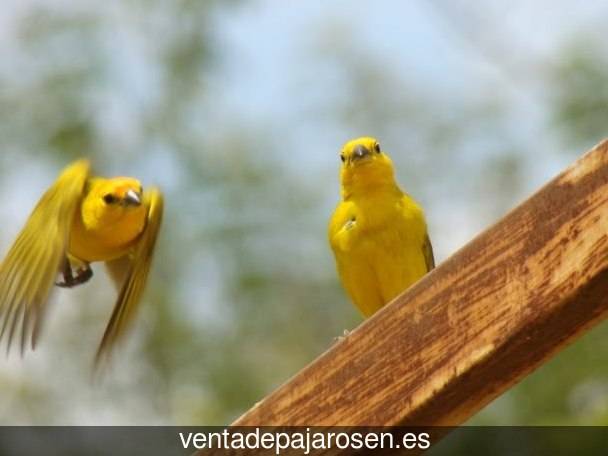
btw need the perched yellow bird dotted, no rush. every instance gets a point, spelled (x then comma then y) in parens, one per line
(378, 233)
(79, 220)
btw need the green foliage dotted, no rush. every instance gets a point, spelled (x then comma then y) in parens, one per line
(580, 92)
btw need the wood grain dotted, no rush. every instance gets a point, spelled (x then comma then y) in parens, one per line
(489, 315)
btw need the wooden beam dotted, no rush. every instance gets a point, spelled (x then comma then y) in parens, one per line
(489, 315)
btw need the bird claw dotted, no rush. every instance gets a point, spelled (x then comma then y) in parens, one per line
(70, 280)
(342, 337)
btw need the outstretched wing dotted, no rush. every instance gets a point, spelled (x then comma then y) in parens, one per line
(136, 275)
(429, 258)
(119, 270)
(29, 270)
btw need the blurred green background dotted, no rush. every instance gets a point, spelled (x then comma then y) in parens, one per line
(237, 109)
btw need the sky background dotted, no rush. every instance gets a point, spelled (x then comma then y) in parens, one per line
(238, 110)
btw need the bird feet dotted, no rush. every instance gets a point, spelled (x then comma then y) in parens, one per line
(342, 337)
(83, 274)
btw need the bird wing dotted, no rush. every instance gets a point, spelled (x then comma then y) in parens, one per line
(341, 223)
(429, 258)
(118, 269)
(136, 275)
(29, 270)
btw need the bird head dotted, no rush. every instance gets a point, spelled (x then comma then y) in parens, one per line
(114, 199)
(121, 192)
(365, 166)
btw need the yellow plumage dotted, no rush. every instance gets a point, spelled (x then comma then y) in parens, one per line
(79, 220)
(378, 233)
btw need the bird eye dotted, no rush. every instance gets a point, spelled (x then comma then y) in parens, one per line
(109, 198)
(342, 158)
(377, 148)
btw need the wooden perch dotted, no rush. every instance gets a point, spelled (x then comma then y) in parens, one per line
(489, 315)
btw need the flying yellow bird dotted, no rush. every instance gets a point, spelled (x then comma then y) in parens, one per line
(378, 233)
(79, 220)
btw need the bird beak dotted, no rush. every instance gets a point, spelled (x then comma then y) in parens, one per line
(132, 198)
(360, 152)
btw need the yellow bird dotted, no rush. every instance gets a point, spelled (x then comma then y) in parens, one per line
(378, 233)
(79, 220)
